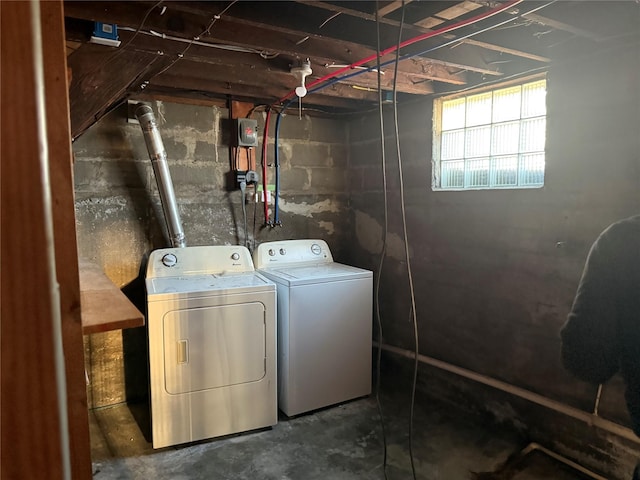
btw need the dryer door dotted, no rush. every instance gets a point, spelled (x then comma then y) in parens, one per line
(213, 347)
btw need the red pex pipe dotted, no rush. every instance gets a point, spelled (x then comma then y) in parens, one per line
(264, 167)
(419, 38)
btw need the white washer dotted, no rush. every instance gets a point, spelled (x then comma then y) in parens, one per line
(324, 324)
(212, 344)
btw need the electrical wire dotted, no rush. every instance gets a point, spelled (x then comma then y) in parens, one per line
(255, 107)
(276, 162)
(395, 48)
(383, 252)
(221, 46)
(118, 52)
(264, 166)
(206, 31)
(255, 216)
(334, 75)
(431, 49)
(121, 49)
(276, 138)
(414, 317)
(411, 41)
(243, 191)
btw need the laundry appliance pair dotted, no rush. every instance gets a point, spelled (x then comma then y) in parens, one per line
(221, 360)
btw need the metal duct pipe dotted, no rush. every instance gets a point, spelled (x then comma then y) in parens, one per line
(158, 157)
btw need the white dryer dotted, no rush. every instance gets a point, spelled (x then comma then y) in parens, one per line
(324, 324)
(212, 344)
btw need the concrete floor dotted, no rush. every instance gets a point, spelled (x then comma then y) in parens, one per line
(338, 443)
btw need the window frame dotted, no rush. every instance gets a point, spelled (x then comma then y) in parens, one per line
(436, 170)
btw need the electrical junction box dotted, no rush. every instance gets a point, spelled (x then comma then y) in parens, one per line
(247, 132)
(105, 34)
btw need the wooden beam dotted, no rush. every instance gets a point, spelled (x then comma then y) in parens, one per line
(245, 67)
(30, 423)
(283, 41)
(64, 226)
(101, 76)
(450, 13)
(563, 26)
(333, 96)
(197, 97)
(202, 99)
(509, 51)
(261, 72)
(332, 7)
(391, 7)
(424, 28)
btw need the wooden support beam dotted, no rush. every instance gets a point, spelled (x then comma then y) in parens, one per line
(450, 13)
(64, 226)
(261, 72)
(425, 26)
(237, 67)
(251, 35)
(510, 51)
(391, 7)
(563, 26)
(37, 291)
(101, 76)
(333, 96)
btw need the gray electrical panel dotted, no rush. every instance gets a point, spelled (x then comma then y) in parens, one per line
(247, 132)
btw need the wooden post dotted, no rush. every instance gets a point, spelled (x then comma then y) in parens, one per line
(64, 226)
(31, 424)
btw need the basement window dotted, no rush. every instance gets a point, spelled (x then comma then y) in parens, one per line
(490, 139)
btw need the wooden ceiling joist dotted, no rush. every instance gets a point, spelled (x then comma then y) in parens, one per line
(252, 34)
(322, 52)
(391, 7)
(466, 6)
(269, 38)
(100, 79)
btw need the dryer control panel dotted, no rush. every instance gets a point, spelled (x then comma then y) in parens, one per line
(287, 252)
(217, 259)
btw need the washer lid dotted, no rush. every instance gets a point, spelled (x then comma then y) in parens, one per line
(199, 285)
(324, 272)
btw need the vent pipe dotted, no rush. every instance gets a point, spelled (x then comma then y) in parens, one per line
(158, 157)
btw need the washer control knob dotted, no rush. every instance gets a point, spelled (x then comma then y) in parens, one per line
(169, 260)
(272, 252)
(283, 251)
(235, 256)
(315, 249)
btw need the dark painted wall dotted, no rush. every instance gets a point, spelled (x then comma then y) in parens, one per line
(119, 218)
(495, 271)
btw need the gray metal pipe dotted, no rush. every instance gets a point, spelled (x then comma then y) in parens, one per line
(588, 418)
(158, 157)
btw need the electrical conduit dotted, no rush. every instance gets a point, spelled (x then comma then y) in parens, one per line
(276, 210)
(264, 165)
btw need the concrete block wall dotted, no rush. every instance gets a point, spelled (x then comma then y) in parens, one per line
(120, 220)
(495, 272)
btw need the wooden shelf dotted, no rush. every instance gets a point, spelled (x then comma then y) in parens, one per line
(103, 306)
